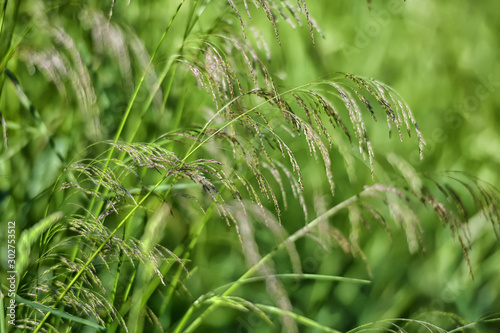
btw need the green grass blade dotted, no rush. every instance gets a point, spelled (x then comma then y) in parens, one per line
(61, 314)
(29, 237)
(96, 253)
(133, 99)
(26, 102)
(9, 19)
(292, 238)
(317, 277)
(298, 318)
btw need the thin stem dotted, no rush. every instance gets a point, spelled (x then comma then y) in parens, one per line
(9, 15)
(291, 239)
(97, 251)
(299, 318)
(187, 254)
(132, 101)
(192, 149)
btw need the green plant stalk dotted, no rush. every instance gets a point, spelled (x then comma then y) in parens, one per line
(187, 255)
(291, 239)
(195, 147)
(135, 308)
(209, 297)
(127, 305)
(189, 27)
(299, 318)
(61, 314)
(97, 251)
(294, 276)
(9, 19)
(125, 118)
(6, 34)
(26, 102)
(132, 102)
(115, 284)
(191, 150)
(163, 74)
(117, 275)
(190, 17)
(142, 277)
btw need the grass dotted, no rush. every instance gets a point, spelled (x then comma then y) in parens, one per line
(178, 176)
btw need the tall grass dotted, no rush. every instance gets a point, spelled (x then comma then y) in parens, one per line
(159, 175)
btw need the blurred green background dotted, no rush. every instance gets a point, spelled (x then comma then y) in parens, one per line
(442, 58)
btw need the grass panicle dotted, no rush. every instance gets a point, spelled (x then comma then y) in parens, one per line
(191, 146)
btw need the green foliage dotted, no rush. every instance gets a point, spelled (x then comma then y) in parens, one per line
(171, 167)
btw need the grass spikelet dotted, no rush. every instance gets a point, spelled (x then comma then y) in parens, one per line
(246, 8)
(80, 78)
(271, 17)
(308, 18)
(219, 67)
(201, 143)
(392, 106)
(277, 177)
(53, 65)
(314, 140)
(486, 198)
(296, 187)
(233, 6)
(333, 116)
(440, 194)
(109, 39)
(58, 267)
(314, 112)
(273, 10)
(356, 119)
(293, 11)
(150, 156)
(95, 175)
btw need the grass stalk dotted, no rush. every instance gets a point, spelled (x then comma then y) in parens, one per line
(298, 318)
(7, 26)
(293, 276)
(9, 19)
(97, 251)
(132, 102)
(253, 270)
(195, 147)
(187, 254)
(236, 136)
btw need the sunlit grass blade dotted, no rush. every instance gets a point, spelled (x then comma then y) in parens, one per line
(315, 277)
(60, 314)
(297, 317)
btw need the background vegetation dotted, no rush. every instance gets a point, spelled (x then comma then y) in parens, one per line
(150, 157)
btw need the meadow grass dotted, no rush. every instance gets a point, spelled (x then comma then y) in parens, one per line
(165, 174)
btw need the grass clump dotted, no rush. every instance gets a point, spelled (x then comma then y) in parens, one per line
(135, 157)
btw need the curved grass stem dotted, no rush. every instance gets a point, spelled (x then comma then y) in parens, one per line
(195, 147)
(250, 272)
(132, 101)
(97, 251)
